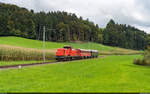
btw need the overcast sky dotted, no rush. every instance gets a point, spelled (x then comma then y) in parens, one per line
(132, 12)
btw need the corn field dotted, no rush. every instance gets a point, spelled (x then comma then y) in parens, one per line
(12, 53)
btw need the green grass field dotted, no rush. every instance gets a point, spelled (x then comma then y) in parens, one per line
(28, 43)
(108, 74)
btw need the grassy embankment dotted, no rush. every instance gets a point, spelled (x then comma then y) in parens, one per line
(109, 74)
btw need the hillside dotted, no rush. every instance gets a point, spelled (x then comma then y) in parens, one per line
(28, 43)
(35, 44)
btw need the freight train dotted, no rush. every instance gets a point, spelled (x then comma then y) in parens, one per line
(68, 53)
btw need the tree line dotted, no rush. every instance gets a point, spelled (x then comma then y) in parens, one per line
(125, 36)
(67, 27)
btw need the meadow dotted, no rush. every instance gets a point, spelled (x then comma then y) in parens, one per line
(28, 43)
(16, 49)
(107, 74)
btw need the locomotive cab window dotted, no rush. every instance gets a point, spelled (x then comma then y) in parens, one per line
(67, 47)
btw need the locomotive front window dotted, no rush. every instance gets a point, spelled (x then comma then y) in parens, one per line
(67, 47)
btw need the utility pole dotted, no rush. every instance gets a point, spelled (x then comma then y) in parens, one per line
(136, 40)
(39, 33)
(44, 43)
(88, 45)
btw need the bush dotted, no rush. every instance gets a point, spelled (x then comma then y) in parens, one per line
(141, 62)
(137, 61)
(145, 60)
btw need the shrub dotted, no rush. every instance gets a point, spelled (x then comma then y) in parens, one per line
(145, 60)
(136, 61)
(141, 62)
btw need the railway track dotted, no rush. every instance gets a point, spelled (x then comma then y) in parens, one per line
(23, 65)
(34, 64)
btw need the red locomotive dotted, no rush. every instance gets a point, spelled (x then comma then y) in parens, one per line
(67, 53)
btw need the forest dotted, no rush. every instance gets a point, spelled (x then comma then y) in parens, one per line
(62, 26)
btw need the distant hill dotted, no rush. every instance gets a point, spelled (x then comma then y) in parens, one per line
(67, 27)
